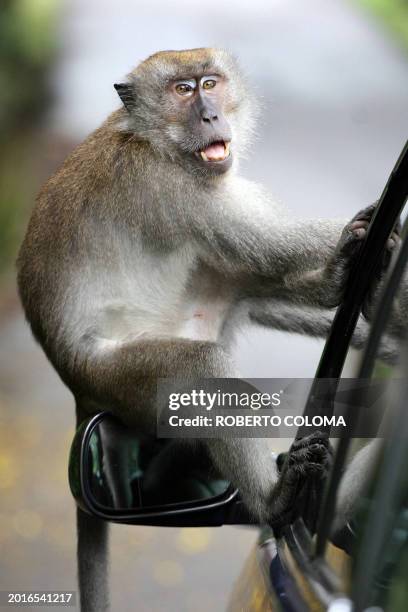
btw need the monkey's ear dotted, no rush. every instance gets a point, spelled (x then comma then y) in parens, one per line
(126, 94)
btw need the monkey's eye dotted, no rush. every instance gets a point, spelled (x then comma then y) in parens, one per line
(209, 84)
(186, 88)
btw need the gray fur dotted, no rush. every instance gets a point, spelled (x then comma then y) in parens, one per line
(92, 563)
(357, 477)
(315, 322)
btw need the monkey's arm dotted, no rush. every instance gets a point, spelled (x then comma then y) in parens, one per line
(324, 286)
(305, 262)
(268, 247)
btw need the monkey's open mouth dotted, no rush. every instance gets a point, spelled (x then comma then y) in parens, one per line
(217, 151)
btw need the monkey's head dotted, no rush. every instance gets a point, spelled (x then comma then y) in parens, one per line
(193, 107)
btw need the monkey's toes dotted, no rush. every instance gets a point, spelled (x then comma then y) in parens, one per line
(312, 468)
(317, 437)
(309, 452)
(300, 460)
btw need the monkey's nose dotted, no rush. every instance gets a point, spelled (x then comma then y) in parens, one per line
(208, 117)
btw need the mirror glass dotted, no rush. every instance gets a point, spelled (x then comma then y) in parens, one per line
(129, 472)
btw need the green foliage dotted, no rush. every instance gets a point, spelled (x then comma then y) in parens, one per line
(16, 189)
(27, 48)
(394, 13)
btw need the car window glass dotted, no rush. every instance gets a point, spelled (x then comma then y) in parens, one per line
(392, 327)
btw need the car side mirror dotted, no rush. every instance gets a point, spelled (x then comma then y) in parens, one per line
(121, 476)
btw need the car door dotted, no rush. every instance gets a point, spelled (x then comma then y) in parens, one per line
(306, 571)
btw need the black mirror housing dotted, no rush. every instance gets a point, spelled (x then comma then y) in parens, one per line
(119, 477)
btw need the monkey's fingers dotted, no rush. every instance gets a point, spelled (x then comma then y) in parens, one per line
(365, 214)
(356, 230)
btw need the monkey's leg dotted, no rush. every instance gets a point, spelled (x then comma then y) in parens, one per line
(248, 464)
(124, 380)
(279, 315)
(314, 322)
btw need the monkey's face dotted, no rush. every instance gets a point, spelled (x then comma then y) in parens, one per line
(196, 112)
(192, 106)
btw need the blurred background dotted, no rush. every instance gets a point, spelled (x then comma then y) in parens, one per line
(333, 80)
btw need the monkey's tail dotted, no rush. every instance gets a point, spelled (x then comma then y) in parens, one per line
(92, 558)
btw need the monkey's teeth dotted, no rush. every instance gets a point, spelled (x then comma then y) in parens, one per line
(215, 152)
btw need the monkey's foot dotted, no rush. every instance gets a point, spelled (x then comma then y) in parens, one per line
(304, 470)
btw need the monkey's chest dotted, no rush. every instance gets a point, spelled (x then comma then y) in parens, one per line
(204, 319)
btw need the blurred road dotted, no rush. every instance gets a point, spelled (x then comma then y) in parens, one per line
(335, 98)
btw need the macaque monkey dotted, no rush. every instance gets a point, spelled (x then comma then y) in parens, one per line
(146, 249)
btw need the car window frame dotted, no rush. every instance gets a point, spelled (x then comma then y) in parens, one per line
(362, 275)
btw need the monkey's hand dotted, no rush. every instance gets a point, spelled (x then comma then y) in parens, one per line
(338, 269)
(299, 490)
